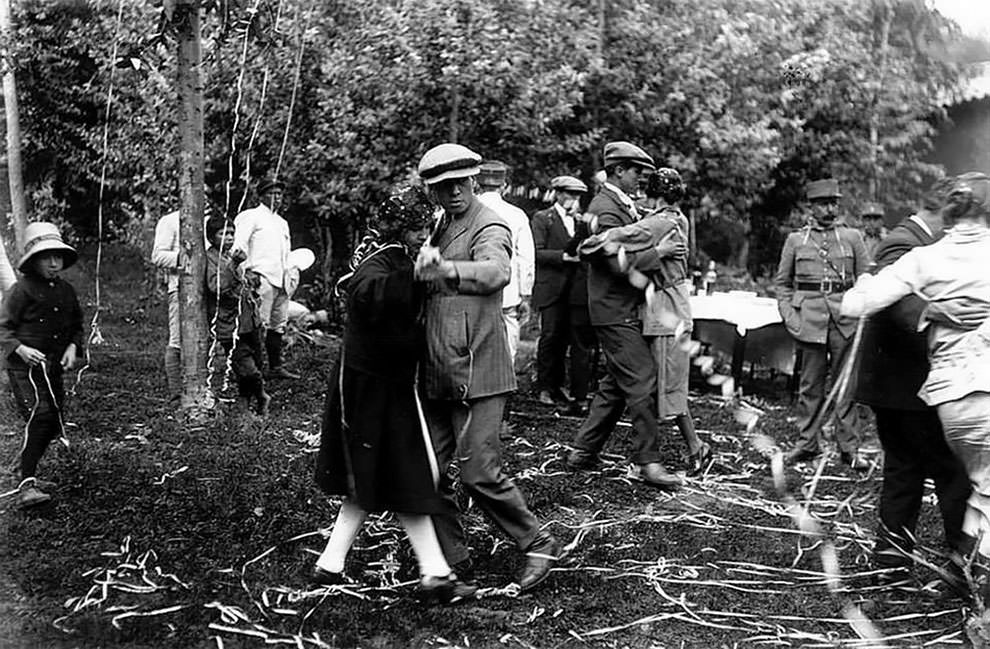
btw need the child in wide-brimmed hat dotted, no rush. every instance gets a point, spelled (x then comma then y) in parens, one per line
(41, 335)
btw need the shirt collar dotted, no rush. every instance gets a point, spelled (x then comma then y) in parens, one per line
(623, 197)
(561, 211)
(921, 224)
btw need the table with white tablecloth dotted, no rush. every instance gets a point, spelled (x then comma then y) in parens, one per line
(745, 327)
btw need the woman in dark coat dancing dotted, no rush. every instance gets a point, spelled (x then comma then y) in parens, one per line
(375, 448)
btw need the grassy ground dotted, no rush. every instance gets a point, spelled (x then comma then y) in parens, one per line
(165, 535)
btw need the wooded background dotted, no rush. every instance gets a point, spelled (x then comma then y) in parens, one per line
(749, 99)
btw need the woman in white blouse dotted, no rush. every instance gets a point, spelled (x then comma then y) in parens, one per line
(958, 384)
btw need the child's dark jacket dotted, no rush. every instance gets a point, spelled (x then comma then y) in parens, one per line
(44, 314)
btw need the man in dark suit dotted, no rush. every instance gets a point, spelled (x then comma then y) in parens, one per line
(561, 295)
(893, 366)
(614, 308)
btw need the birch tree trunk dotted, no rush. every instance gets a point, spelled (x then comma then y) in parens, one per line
(196, 397)
(14, 170)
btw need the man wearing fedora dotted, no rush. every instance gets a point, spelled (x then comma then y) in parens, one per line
(516, 294)
(467, 373)
(614, 309)
(561, 295)
(261, 237)
(818, 264)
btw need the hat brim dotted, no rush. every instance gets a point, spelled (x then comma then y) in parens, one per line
(571, 189)
(643, 164)
(466, 172)
(267, 187)
(69, 254)
(826, 197)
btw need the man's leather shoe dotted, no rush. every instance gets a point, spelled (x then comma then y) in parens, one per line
(856, 462)
(545, 398)
(540, 557)
(655, 475)
(799, 455)
(576, 409)
(578, 460)
(562, 395)
(325, 577)
(280, 372)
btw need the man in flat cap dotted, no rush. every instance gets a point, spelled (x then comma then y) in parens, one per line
(261, 235)
(516, 294)
(467, 373)
(874, 230)
(818, 264)
(614, 308)
(561, 295)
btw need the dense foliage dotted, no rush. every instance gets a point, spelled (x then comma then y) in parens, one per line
(749, 98)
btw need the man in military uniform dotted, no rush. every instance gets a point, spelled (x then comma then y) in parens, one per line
(818, 264)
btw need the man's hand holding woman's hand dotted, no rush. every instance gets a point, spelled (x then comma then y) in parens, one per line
(431, 265)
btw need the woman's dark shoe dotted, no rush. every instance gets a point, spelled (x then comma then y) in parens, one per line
(700, 460)
(29, 495)
(444, 590)
(325, 577)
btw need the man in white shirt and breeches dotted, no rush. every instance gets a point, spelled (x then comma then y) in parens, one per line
(516, 295)
(165, 255)
(262, 235)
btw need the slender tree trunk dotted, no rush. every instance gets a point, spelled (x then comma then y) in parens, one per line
(14, 169)
(455, 114)
(7, 276)
(888, 18)
(196, 396)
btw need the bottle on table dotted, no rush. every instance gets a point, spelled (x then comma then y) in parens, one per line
(708, 281)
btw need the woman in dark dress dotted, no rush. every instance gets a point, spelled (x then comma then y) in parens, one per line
(375, 449)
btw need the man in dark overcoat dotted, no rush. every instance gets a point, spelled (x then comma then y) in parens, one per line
(561, 295)
(614, 308)
(893, 366)
(467, 373)
(818, 264)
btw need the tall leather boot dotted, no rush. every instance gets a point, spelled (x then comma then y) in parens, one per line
(273, 346)
(173, 373)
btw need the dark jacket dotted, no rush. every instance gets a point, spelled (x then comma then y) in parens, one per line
(557, 279)
(611, 298)
(894, 357)
(237, 303)
(373, 446)
(42, 314)
(384, 335)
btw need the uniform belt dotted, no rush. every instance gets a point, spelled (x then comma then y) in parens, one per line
(824, 286)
